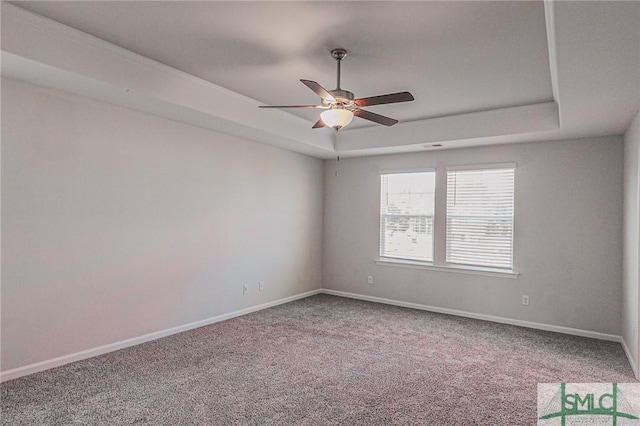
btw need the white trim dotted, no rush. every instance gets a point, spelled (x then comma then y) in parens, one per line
(89, 353)
(401, 263)
(454, 131)
(38, 22)
(502, 320)
(627, 352)
(90, 67)
(550, 23)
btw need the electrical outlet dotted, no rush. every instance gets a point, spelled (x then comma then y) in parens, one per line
(261, 285)
(245, 289)
(525, 300)
(370, 279)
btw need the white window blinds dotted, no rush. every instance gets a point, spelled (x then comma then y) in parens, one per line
(406, 215)
(479, 228)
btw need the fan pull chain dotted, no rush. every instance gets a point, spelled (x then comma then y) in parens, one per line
(335, 147)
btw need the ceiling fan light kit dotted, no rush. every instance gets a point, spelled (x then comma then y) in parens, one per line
(336, 118)
(341, 106)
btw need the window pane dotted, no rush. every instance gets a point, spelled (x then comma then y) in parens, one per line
(406, 215)
(480, 217)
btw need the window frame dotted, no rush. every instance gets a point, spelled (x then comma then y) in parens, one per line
(500, 166)
(440, 222)
(380, 214)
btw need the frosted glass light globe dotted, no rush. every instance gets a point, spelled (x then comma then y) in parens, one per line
(336, 118)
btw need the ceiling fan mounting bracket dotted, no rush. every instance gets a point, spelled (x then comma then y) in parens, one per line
(338, 54)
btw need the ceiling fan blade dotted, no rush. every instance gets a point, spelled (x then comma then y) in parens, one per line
(391, 98)
(292, 106)
(320, 91)
(376, 118)
(318, 124)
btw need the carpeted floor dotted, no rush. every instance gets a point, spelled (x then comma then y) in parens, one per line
(323, 360)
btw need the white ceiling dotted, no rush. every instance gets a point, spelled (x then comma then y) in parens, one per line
(481, 72)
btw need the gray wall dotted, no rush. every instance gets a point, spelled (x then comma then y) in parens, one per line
(631, 241)
(568, 231)
(116, 224)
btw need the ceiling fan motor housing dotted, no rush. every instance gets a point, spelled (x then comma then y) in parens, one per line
(343, 97)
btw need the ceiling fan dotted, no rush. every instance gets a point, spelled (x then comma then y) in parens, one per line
(340, 105)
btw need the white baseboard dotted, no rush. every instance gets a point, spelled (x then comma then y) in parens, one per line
(528, 324)
(632, 361)
(78, 356)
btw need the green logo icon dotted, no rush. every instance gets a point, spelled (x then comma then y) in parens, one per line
(594, 407)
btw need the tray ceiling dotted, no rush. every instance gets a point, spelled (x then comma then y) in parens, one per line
(481, 72)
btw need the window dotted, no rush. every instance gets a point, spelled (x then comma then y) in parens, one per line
(406, 215)
(472, 229)
(480, 217)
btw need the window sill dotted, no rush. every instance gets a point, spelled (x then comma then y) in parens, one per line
(400, 263)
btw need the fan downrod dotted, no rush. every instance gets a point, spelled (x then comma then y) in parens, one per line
(338, 55)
